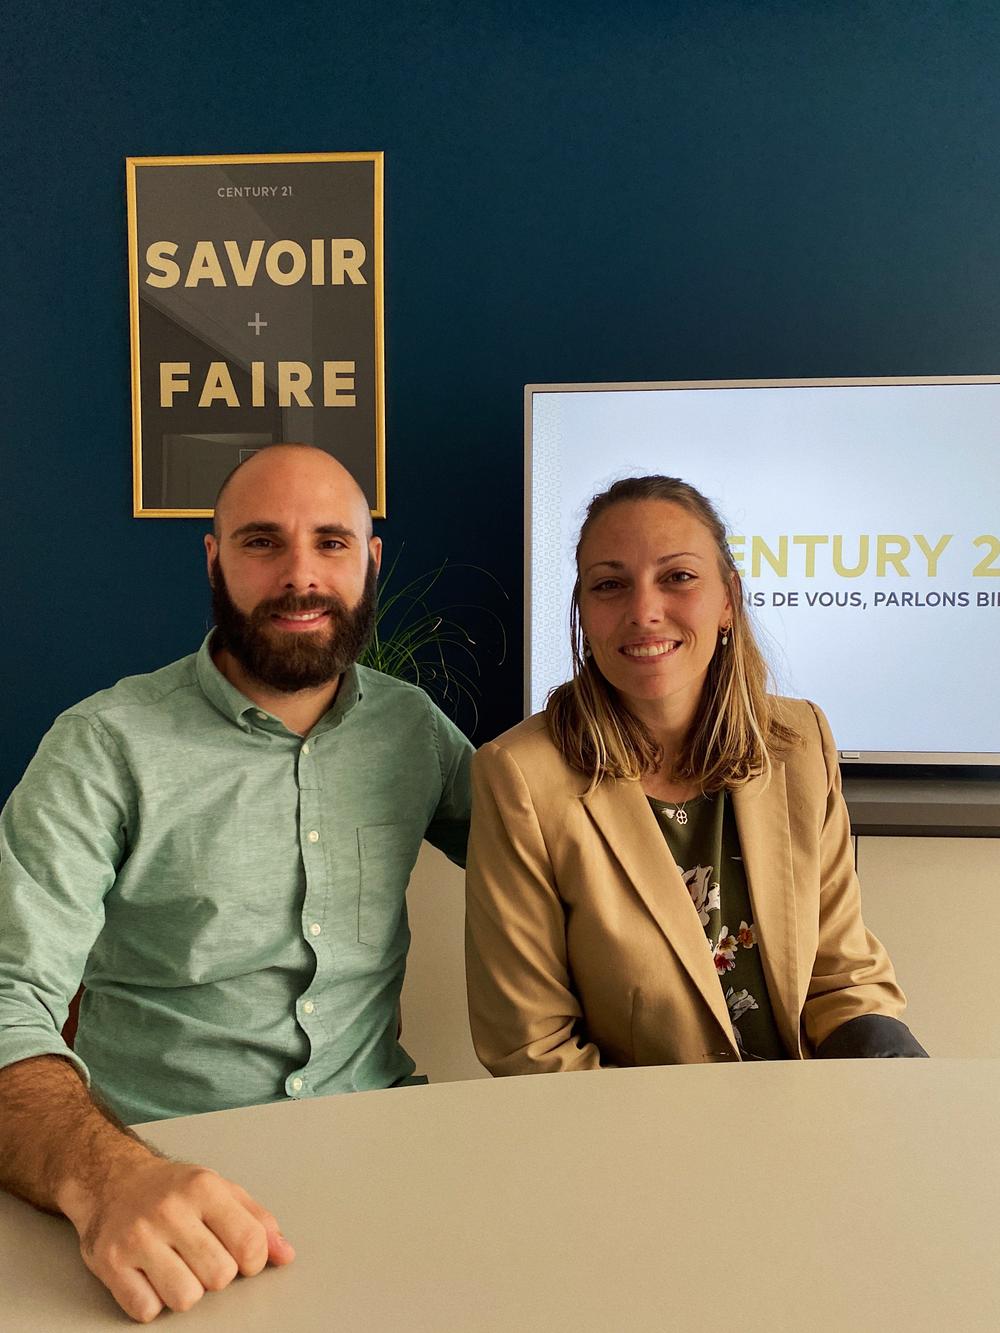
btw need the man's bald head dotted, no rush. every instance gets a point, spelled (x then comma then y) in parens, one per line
(267, 470)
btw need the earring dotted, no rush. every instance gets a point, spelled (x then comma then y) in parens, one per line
(725, 635)
(586, 647)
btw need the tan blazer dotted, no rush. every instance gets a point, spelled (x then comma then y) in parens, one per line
(584, 948)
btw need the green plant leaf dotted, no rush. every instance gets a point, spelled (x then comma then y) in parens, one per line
(428, 645)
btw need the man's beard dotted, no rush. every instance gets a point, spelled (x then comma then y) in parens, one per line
(282, 659)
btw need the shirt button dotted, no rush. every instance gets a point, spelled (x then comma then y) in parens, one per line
(315, 928)
(305, 748)
(296, 1085)
(262, 716)
(312, 835)
(308, 1007)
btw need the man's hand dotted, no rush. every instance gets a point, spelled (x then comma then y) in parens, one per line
(162, 1233)
(156, 1233)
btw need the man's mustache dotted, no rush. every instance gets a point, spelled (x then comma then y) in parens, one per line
(290, 604)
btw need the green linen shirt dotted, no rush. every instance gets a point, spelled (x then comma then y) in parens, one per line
(232, 894)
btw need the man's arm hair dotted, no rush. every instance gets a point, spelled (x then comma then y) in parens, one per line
(57, 1141)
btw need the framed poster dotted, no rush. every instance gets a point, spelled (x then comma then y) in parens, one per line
(256, 314)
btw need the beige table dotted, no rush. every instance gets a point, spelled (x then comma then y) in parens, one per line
(817, 1196)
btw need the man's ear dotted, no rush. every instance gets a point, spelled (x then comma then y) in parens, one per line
(211, 554)
(375, 551)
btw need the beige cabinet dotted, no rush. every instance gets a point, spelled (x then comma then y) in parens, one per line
(435, 1010)
(935, 905)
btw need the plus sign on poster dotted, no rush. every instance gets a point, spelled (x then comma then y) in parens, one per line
(256, 317)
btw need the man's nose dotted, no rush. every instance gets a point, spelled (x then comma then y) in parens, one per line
(298, 571)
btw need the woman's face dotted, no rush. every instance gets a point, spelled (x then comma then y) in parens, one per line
(652, 601)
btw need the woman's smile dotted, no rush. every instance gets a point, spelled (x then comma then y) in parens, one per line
(647, 651)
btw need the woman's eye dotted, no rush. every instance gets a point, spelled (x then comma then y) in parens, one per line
(606, 585)
(680, 576)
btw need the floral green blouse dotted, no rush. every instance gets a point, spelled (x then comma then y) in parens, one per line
(704, 842)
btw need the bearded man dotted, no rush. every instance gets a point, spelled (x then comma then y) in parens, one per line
(220, 851)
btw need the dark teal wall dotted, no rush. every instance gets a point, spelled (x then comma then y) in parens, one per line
(574, 192)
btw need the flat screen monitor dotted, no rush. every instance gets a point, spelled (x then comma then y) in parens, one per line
(864, 516)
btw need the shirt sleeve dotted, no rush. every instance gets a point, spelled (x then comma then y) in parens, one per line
(449, 826)
(63, 834)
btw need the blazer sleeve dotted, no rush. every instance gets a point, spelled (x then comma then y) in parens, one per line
(851, 973)
(524, 1014)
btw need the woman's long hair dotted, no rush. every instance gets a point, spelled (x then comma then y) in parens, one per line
(736, 730)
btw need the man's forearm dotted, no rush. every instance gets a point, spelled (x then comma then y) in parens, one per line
(155, 1232)
(56, 1143)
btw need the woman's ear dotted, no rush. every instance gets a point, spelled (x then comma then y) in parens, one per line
(734, 593)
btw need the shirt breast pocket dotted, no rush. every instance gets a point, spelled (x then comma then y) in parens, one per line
(387, 854)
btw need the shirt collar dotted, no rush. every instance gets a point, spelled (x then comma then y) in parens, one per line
(348, 696)
(235, 706)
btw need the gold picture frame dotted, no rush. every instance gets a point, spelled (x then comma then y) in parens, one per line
(300, 238)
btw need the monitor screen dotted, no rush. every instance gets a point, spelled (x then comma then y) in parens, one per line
(864, 517)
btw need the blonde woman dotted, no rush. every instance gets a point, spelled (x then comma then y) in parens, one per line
(660, 867)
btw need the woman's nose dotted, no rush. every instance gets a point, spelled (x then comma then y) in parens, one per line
(646, 606)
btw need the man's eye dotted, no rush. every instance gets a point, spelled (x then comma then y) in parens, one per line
(333, 544)
(259, 542)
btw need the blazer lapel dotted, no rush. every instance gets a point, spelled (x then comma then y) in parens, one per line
(761, 811)
(623, 817)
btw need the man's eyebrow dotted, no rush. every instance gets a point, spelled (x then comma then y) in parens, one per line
(256, 526)
(335, 530)
(321, 529)
(663, 559)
